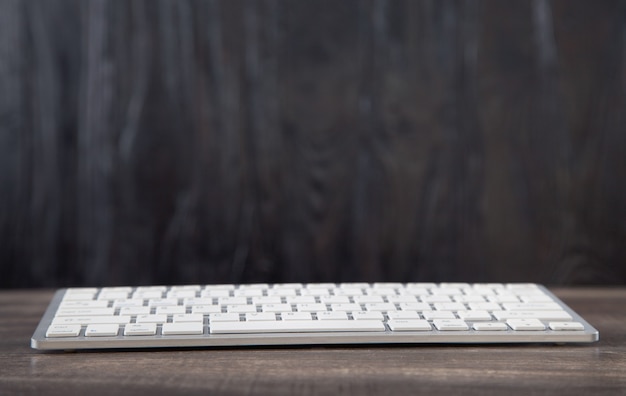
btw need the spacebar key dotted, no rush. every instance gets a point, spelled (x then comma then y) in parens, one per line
(295, 326)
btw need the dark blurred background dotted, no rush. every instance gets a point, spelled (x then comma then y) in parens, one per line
(177, 141)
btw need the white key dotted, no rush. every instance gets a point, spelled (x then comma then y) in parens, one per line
(368, 299)
(161, 318)
(160, 288)
(415, 307)
(184, 328)
(85, 312)
(112, 295)
(446, 291)
(185, 287)
(102, 330)
(536, 298)
(536, 306)
(526, 324)
(276, 308)
(205, 309)
(126, 289)
(490, 326)
(133, 302)
(485, 306)
(544, 315)
(189, 302)
(281, 292)
(503, 299)
(381, 291)
(261, 316)
(450, 325)
(403, 315)
(56, 331)
(449, 307)
(140, 329)
(332, 315)
(348, 291)
(345, 307)
(566, 326)
(260, 300)
(468, 299)
(436, 299)
(311, 307)
(157, 294)
(297, 326)
(83, 304)
(380, 307)
(248, 292)
(215, 293)
(87, 320)
(367, 315)
(300, 300)
(233, 300)
(336, 299)
(409, 325)
(181, 293)
(135, 311)
(179, 318)
(224, 317)
(296, 316)
(241, 308)
(401, 299)
(81, 290)
(474, 315)
(431, 315)
(171, 310)
(163, 302)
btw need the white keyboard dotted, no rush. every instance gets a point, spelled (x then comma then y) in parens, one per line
(307, 314)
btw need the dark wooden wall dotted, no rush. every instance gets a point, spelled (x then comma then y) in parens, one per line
(177, 141)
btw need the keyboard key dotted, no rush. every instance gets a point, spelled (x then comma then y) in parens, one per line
(296, 326)
(205, 309)
(566, 326)
(450, 325)
(185, 328)
(160, 318)
(179, 318)
(171, 310)
(87, 320)
(432, 315)
(102, 330)
(367, 315)
(140, 329)
(543, 315)
(409, 325)
(57, 331)
(403, 315)
(332, 315)
(490, 326)
(474, 315)
(296, 316)
(526, 324)
(85, 312)
(261, 316)
(224, 317)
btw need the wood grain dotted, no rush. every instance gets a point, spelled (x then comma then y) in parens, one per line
(366, 370)
(187, 141)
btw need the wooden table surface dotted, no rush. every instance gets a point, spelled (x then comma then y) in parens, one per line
(593, 369)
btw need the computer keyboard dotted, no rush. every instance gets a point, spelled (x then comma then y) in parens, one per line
(307, 314)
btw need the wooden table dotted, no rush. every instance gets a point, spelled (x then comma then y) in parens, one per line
(594, 369)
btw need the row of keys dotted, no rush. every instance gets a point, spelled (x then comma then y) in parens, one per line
(182, 315)
(197, 328)
(349, 289)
